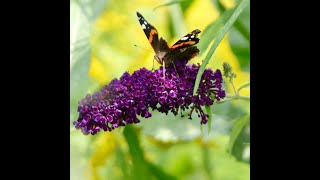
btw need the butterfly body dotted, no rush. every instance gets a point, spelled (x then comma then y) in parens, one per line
(182, 50)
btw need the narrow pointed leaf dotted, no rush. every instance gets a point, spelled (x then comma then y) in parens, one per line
(237, 129)
(243, 4)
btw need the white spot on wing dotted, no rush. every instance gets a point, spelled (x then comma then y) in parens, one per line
(145, 22)
(192, 36)
(184, 38)
(143, 26)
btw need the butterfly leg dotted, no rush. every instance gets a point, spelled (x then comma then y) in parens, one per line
(164, 70)
(153, 64)
(174, 66)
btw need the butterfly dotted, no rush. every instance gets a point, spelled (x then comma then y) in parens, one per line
(182, 50)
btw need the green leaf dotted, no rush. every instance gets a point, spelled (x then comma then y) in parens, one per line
(207, 164)
(239, 24)
(159, 173)
(236, 130)
(243, 30)
(212, 30)
(219, 5)
(140, 169)
(244, 86)
(133, 142)
(185, 5)
(168, 4)
(177, 17)
(239, 39)
(122, 161)
(242, 24)
(201, 130)
(243, 4)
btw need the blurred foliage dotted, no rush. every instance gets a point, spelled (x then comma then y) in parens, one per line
(102, 38)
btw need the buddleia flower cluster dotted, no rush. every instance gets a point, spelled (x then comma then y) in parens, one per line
(124, 100)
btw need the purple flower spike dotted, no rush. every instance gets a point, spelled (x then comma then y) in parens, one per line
(119, 102)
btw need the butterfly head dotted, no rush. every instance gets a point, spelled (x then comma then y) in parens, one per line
(159, 56)
(195, 33)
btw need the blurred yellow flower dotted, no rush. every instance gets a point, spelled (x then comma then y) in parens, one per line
(104, 146)
(97, 70)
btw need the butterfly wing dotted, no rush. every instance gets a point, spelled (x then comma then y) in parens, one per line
(184, 54)
(186, 41)
(150, 31)
(187, 53)
(184, 49)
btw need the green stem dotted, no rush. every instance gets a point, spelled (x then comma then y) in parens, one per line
(234, 88)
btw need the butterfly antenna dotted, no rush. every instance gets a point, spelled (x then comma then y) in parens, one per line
(148, 51)
(144, 48)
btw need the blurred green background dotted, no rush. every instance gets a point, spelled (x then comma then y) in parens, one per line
(102, 38)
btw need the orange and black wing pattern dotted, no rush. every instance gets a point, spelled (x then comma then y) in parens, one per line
(150, 31)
